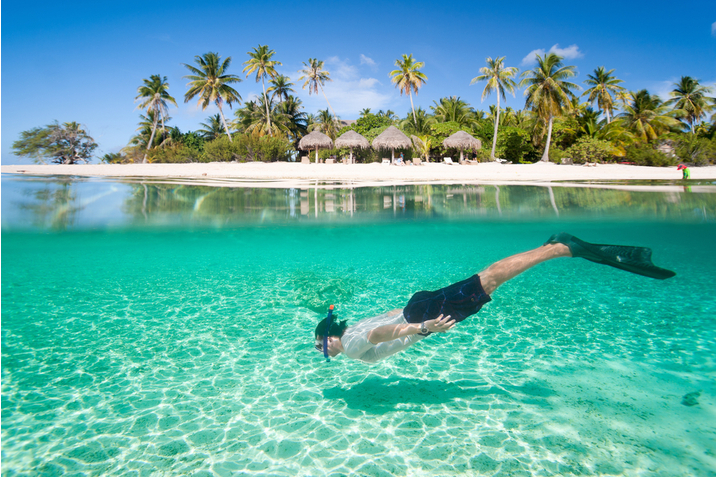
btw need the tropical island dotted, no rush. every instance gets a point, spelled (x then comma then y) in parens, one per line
(561, 122)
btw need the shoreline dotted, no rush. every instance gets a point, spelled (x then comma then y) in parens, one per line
(367, 173)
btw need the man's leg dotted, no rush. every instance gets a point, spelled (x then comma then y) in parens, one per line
(507, 268)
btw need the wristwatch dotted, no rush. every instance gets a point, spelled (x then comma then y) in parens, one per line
(423, 329)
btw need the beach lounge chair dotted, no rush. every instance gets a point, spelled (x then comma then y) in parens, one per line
(305, 160)
(386, 161)
(448, 160)
(417, 161)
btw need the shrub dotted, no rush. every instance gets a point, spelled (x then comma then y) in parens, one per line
(699, 151)
(220, 150)
(515, 145)
(556, 154)
(247, 147)
(644, 154)
(176, 154)
(588, 149)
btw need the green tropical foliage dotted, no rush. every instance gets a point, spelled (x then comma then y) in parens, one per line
(408, 78)
(498, 78)
(281, 87)
(612, 125)
(66, 143)
(212, 84)
(144, 134)
(154, 96)
(548, 92)
(418, 124)
(315, 77)
(213, 128)
(603, 86)
(454, 109)
(260, 62)
(689, 98)
(647, 117)
(325, 123)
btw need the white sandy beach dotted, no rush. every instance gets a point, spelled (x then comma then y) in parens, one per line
(369, 173)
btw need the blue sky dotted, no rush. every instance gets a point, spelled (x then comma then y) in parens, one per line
(83, 61)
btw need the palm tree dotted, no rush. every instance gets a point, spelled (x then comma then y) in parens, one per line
(422, 145)
(647, 117)
(281, 87)
(603, 84)
(548, 93)
(498, 78)
(145, 137)
(315, 76)
(211, 83)
(295, 118)
(454, 109)
(690, 98)
(253, 118)
(419, 125)
(408, 77)
(364, 112)
(260, 62)
(154, 96)
(213, 128)
(325, 123)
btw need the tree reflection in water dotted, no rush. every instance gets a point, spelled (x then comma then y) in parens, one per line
(222, 205)
(65, 203)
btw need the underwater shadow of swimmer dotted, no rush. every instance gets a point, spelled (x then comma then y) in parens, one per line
(382, 395)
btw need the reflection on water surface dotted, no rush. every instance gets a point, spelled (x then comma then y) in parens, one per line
(63, 203)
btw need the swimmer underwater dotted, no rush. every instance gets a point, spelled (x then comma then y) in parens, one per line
(373, 339)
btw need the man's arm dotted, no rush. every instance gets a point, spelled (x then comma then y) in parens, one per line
(392, 332)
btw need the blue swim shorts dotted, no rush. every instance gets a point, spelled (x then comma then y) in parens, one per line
(458, 300)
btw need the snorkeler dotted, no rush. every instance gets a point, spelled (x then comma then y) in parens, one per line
(376, 338)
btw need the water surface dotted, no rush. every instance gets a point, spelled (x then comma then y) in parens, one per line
(168, 330)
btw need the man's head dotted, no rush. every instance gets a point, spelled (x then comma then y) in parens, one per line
(335, 332)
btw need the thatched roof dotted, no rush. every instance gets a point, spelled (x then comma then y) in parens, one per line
(314, 140)
(352, 139)
(392, 138)
(462, 140)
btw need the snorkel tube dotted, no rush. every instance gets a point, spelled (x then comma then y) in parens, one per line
(329, 320)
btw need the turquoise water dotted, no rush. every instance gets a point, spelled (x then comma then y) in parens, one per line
(150, 337)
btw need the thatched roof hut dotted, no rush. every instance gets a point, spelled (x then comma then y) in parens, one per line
(392, 138)
(315, 140)
(462, 140)
(352, 139)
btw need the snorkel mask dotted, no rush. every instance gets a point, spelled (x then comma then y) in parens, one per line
(329, 320)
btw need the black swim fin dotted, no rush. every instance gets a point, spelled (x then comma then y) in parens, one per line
(632, 259)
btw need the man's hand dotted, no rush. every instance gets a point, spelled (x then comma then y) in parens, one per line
(441, 324)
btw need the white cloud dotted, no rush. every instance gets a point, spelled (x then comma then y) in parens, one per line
(532, 57)
(662, 88)
(713, 28)
(348, 93)
(364, 60)
(569, 53)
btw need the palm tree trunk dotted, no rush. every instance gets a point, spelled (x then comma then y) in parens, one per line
(151, 139)
(609, 118)
(497, 122)
(223, 120)
(268, 115)
(545, 156)
(413, 108)
(329, 103)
